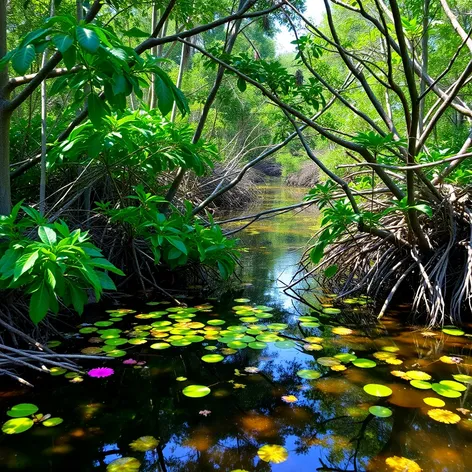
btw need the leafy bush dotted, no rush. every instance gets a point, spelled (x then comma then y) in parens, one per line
(50, 263)
(175, 239)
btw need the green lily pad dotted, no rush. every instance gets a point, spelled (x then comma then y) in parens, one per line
(216, 322)
(345, 357)
(144, 444)
(17, 425)
(103, 324)
(161, 324)
(309, 374)
(364, 363)
(453, 331)
(212, 358)
(445, 391)
(181, 342)
(421, 384)
(54, 343)
(257, 345)
(49, 423)
(242, 300)
(310, 324)
(380, 411)
(268, 337)
(285, 344)
(196, 391)
(194, 338)
(463, 378)
(116, 353)
(307, 318)
(237, 345)
(331, 311)
(88, 330)
(137, 341)
(377, 390)
(454, 385)
(211, 348)
(116, 342)
(160, 346)
(277, 326)
(249, 319)
(57, 371)
(22, 409)
(264, 316)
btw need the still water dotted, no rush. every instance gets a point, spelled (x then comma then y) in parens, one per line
(279, 383)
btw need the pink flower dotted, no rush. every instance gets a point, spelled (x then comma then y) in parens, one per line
(100, 372)
(130, 362)
(141, 362)
(204, 412)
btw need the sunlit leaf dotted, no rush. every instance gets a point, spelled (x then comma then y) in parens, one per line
(17, 425)
(445, 391)
(341, 331)
(22, 409)
(377, 390)
(196, 391)
(453, 331)
(345, 357)
(273, 453)
(212, 358)
(309, 374)
(421, 384)
(49, 423)
(328, 361)
(364, 363)
(436, 402)
(160, 346)
(418, 375)
(454, 385)
(289, 398)
(380, 411)
(463, 378)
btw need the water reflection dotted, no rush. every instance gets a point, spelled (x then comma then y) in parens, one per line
(328, 428)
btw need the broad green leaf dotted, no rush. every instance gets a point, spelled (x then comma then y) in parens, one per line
(378, 390)
(23, 58)
(39, 303)
(136, 33)
(47, 235)
(380, 411)
(22, 409)
(17, 425)
(196, 391)
(63, 42)
(49, 423)
(165, 97)
(88, 39)
(25, 263)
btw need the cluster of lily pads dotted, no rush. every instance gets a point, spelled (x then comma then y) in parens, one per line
(131, 464)
(24, 416)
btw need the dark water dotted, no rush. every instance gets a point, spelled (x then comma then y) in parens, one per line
(328, 427)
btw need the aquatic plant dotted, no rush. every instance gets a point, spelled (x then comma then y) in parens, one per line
(100, 372)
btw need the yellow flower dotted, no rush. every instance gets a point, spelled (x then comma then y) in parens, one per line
(402, 464)
(444, 416)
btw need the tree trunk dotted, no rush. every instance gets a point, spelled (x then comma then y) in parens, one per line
(424, 63)
(5, 190)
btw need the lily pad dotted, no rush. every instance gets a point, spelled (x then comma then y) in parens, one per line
(212, 358)
(309, 374)
(463, 378)
(257, 345)
(418, 375)
(17, 425)
(216, 322)
(285, 344)
(57, 371)
(181, 342)
(380, 411)
(453, 331)
(124, 464)
(341, 331)
(49, 423)
(364, 363)
(331, 311)
(103, 324)
(345, 357)
(116, 353)
(237, 345)
(22, 409)
(436, 402)
(273, 453)
(144, 444)
(445, 391)
(377, 390)
(454, 385)
(160, 346)
(328, 361)
(196, 391)
(421, 384)
(309, 324)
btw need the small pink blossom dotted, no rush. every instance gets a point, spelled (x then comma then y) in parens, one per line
(100, 372)
(204, 413)
(130, 362)
(141, 363)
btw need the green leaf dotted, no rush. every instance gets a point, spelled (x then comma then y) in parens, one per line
(6, 58)
(96, 110)
(22, 409)
(136, 33)
(241, 84)
(70, 57)
(178, 243)
(103, 263)
(423, 208)
(50, 279)
(196, 391)
(17, 425)
(87, 39)
(63, 42)
(316, 254)
(165, 97)
(331, 271)
(23, 58)
(47, 235)
(39, 303)
(78, 297)
(25, 263)
(105, 281)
